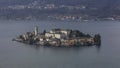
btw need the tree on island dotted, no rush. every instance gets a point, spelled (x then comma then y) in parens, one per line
(97, 39)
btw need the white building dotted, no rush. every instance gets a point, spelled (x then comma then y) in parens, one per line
(66, 32)
(49, 34)
(62, 31)
(55, 35)
(58, 36)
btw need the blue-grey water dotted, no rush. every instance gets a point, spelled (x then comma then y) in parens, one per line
(18, 55)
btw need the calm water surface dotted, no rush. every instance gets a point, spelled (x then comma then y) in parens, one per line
(18, 55)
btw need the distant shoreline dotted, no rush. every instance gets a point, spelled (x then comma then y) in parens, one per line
(57, 20)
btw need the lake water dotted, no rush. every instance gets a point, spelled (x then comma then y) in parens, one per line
(18, 55)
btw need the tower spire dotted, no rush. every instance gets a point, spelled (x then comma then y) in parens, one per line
(36, 30)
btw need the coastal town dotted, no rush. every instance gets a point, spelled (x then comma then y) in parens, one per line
(59, 38)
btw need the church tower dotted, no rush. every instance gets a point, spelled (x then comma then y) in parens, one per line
(36, 30)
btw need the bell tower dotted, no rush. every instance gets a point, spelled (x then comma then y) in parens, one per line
(36, 30)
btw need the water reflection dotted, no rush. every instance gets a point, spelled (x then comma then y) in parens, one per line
(80, 48)
(98, 48)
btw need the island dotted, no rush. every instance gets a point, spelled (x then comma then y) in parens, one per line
(59, 38)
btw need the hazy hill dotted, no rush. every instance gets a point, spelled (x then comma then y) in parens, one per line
(92, 3)
(94, 8)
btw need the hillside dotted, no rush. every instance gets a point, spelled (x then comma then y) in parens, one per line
(60, 9)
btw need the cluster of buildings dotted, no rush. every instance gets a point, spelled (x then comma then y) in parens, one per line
(58, 37)
(44, 6)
